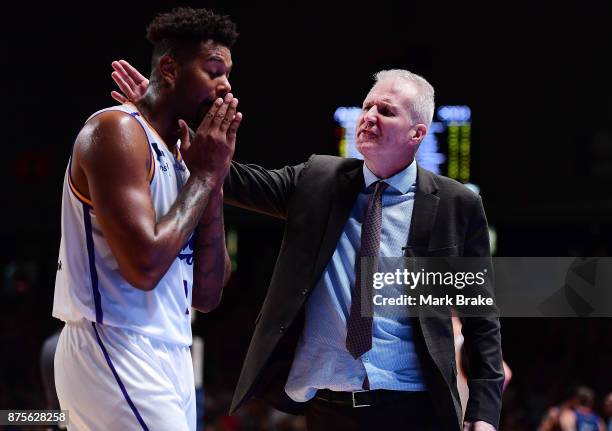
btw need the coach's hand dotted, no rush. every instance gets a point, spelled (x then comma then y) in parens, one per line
(478, 426)
(130, 81)
(209, 153)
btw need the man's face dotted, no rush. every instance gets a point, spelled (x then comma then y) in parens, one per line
(608, 405)
(385, 129)
(202, 79)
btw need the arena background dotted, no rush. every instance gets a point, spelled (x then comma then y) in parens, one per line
(537, 79)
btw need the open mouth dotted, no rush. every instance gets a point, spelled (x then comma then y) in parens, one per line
(368, 135)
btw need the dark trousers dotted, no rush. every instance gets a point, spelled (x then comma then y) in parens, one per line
(413, 412)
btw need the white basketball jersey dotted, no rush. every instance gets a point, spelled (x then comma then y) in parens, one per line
(88, 283)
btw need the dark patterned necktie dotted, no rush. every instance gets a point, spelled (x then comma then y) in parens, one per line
(359, 323)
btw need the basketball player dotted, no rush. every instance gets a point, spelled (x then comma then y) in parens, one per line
(142, 234)
(582, 417)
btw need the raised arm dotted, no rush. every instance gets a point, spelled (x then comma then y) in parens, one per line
(258, 189)
(110, 164)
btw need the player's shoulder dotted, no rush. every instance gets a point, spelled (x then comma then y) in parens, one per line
(112, 120)
(110, 128)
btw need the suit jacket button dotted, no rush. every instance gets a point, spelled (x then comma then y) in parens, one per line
(282, 329)
(304, 292)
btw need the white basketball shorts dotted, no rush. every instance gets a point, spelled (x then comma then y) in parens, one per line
(116, 379)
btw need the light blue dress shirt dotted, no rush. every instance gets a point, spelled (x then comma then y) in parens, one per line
(321, 359)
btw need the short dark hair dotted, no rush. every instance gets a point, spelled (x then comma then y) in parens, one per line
(585, 396)
(184, 27)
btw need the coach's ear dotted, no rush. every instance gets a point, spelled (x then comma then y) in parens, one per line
(168, 70)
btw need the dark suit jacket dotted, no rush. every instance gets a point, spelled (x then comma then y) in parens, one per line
(315, 198)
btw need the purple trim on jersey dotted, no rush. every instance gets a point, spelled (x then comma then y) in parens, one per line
(186, 295)
(92, 262)
(121, 385)
(152, 157)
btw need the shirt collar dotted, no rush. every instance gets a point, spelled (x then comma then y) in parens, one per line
(402, 181)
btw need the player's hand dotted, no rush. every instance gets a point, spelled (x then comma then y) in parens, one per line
(130, 81)
(478, 426)
(209, 153)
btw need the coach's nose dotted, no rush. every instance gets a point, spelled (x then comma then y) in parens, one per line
(370, 117)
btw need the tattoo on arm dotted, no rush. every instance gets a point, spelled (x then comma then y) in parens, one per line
(188, 208)
(211, 259)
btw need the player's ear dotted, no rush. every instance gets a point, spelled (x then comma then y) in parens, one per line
(168, 70)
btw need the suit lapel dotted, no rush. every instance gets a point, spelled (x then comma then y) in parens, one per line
(423, 213)
(343, 199)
